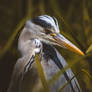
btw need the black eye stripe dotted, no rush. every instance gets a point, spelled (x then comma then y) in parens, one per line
(41, 22)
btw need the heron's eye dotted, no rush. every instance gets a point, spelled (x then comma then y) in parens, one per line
(47, 31)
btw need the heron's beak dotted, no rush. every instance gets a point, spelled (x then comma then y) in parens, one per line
(62, 41)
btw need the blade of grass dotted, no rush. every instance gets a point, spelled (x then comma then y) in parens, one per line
(41, 74)
(17, 29)
(70, 10)
(30, 8)
(55, 77)
(41, 6)
(85, 22)
(11, 39)
(89, 49)
(82, 70)
(85, 12)
(87, 73)
(66, 84)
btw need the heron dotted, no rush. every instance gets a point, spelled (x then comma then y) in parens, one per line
(39, 36)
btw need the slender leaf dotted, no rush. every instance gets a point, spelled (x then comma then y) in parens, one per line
(89, 49)
(11, 39)
(17, 29)
(87, 73)
(55, 77)
(82, 70)
(41, 74)
(66, 84)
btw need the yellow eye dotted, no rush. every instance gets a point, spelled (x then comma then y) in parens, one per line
(53, 34)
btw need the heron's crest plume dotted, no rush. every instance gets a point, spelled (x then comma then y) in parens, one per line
(47, 22)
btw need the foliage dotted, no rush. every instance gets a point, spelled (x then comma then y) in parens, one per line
(75, 21)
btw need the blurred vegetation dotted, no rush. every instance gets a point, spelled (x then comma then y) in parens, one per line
(75, 21)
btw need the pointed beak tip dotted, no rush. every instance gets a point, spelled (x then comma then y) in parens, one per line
(62, 41)
(82, 53)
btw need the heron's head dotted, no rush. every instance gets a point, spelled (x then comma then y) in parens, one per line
(46, 29)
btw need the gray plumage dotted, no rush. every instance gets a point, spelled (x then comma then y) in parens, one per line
(35, 38)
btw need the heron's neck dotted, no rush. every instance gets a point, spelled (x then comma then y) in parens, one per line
(51, 53)
(48, 50)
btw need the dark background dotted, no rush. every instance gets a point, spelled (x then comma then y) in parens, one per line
(75, 21)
